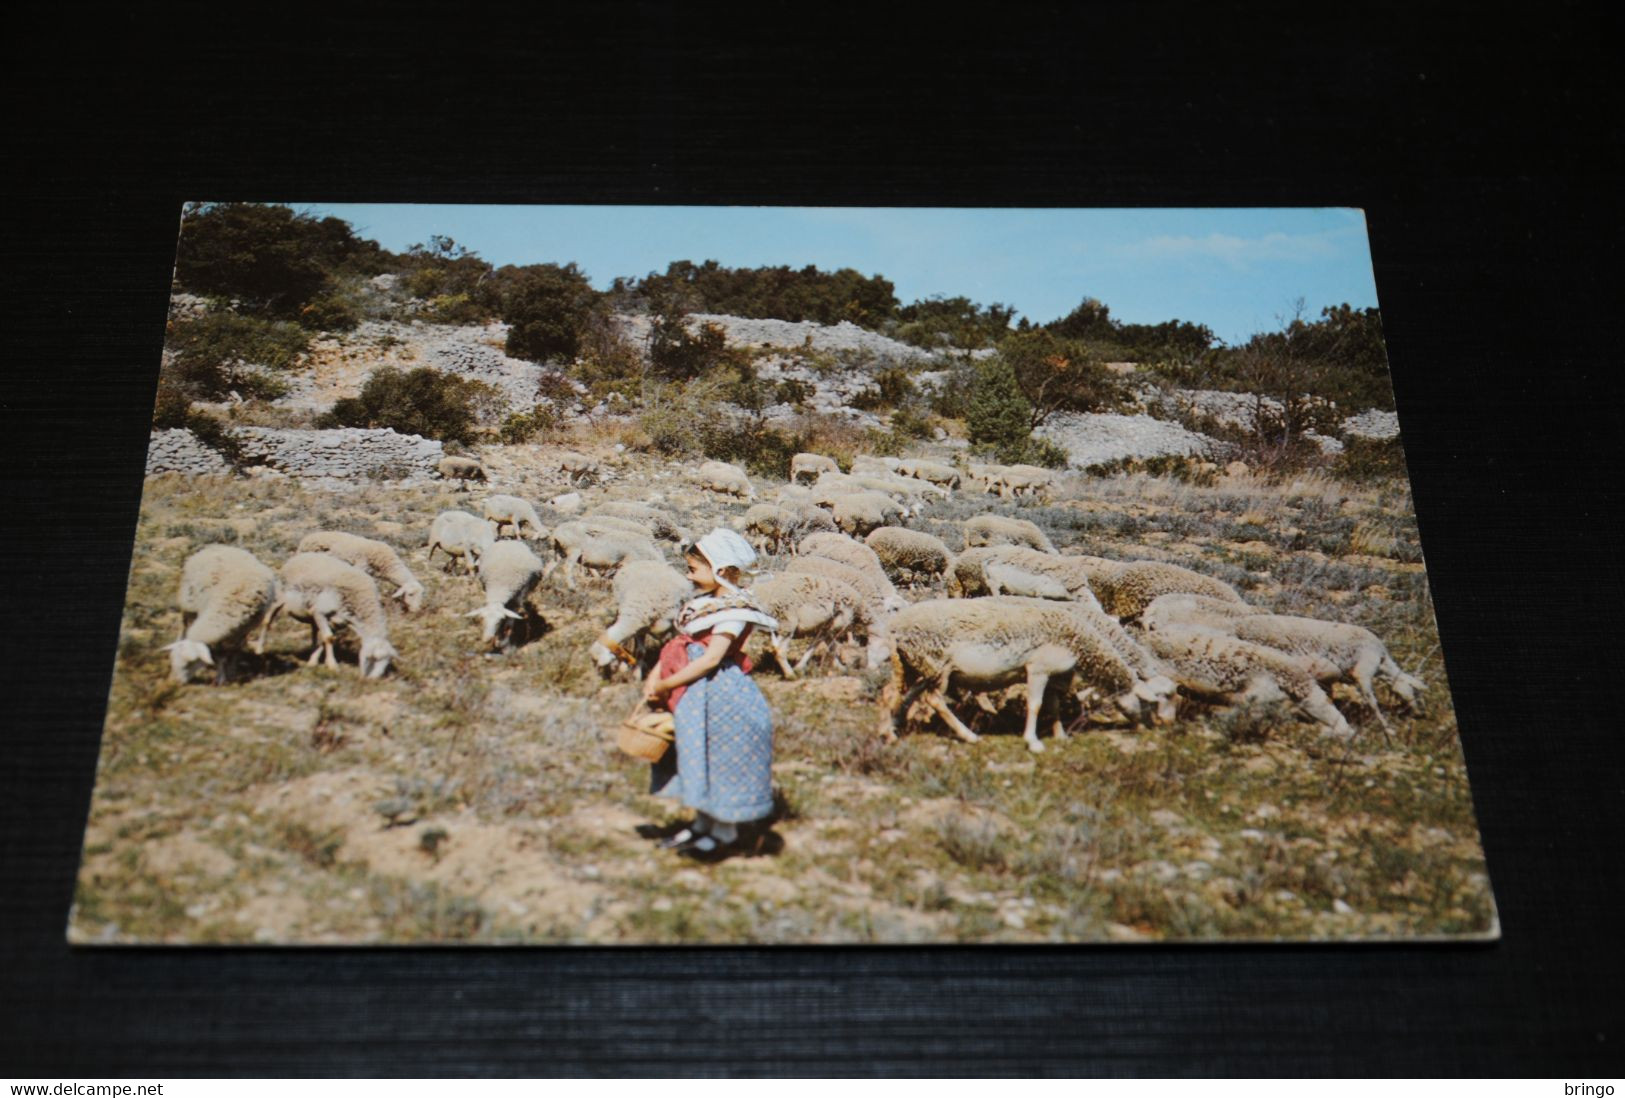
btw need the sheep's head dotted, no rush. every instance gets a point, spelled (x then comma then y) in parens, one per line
(1161, 694)
(376, 655)
(491, 618)
(189, 660)
(411, 596)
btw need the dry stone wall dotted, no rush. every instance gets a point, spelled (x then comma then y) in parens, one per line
(349, 452)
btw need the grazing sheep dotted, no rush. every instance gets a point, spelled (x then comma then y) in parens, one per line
(597, 547)
(998, 530)
(719, 476)
(648, 595)
(515, 512)
(1336, 652)
(1333, 651)
(849, 551)
(993, 643)
(1007, 579)
(1076, 574)
(1127, 590)
(809, 605)
(771, 528)
(461, 536)
(868, 463)
(1218, 667)
(508, 572)
(880, 599)
(862, 512)
(909, 555)
(984, 476)
(652, 519)
(374, 558)
(579, 469)
(811, 463)
(1022, 480)
(943, 476)
(604, 525)
(327, 593)
(461, 469)
(225, 592)
(811, 519)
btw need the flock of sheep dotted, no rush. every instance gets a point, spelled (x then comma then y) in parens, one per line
(1123, 637)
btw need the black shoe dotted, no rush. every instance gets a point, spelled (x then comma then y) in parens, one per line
(663, 831)
(749, 843)
(682, 838)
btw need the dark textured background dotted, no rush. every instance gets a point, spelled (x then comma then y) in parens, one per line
(1486, 152)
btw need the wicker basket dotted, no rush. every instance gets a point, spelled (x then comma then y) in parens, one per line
(647, 734)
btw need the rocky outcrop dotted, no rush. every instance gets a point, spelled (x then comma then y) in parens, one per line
(1100, 438)
(348, 452)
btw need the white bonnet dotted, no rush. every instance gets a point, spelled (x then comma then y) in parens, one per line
(724, 548)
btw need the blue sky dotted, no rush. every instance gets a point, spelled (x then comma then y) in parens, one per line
(1235, 270)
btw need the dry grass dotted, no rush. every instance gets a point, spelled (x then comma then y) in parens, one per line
(477, 797)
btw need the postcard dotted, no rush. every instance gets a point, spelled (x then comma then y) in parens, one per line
(722, 575)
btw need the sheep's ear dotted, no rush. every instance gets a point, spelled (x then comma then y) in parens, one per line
(208, 659)
(475, 613)
(509, 613)
(171, 646)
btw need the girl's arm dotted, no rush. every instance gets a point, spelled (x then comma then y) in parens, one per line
(716, 650)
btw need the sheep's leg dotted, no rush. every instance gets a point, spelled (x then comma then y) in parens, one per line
(936, 701)
(265, 627)
(187, 618)
(1362, 672)
(781, 655)
(812, 650)
(893, 721)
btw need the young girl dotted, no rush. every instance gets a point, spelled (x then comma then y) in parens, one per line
(721, 765)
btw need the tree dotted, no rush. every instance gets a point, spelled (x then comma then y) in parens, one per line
(423, 402)
(997, 413)
(547, 308)
(1287, 367)
(1090, 320)
(1056, 375)
(272, 260)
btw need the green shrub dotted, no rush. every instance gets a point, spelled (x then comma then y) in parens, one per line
(996, 414)
(548, 309)
(270, 259)
(677, 354)
(217, 437)
(206, 354)
(524, 426)
(792, 391)
(1370, 459)
(423, 402)
(910, 422)
(332, 312)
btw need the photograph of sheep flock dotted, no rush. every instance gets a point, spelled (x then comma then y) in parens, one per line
(741, 575)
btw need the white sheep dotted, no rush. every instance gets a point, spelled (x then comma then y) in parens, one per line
(515, 512)
(1219, 667)
(508, 572)
(1128, 589)
(598, 547)
(328, 593)
(224, 593)
(861, 512)
(375, 558)
(909, 555)
(1007, 579)
(461, 469)
(880, 599)
(1022, 480)
(462, 537)
(999, 530)
(812, 464)
(648, 595)
(944, 476)
(719, 476)
(852, 552)
(771, 528)
(1077, 574)
(652, 519)
(989, 644)
(579, 469)
(1333, 651)
(808, 605)
(868, 463)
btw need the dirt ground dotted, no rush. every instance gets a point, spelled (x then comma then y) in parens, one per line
(478, 796)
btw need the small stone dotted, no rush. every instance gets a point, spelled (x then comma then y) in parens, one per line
(1342, 908)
